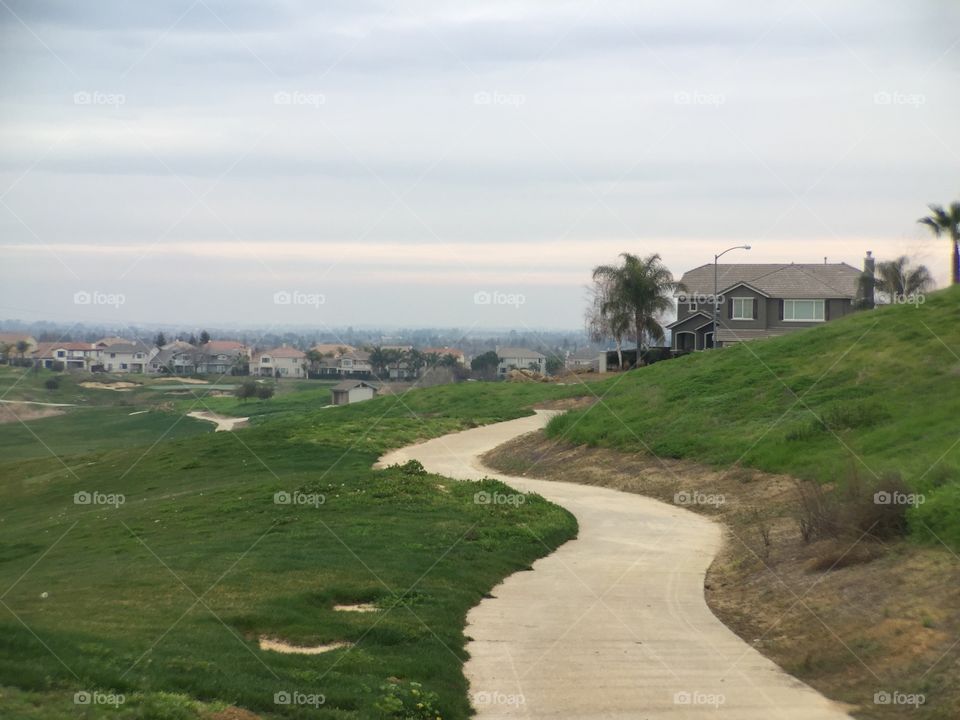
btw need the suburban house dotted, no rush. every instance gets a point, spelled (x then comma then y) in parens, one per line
(126, 357)
(582, 360)
(760, 301)
(438, 353)
(352, 363)
(177, 358)
(333, 349)
(351, 391)
(520, 359)
(11, 339)
(66, 356)
(279, 362)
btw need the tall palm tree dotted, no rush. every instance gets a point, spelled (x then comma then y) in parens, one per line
(644, 286)
(897, 280)
(946, 222)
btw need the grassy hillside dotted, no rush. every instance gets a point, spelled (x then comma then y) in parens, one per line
(164, 598)
(873, 394)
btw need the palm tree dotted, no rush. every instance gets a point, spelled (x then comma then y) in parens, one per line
(379, 358)
(897, 280)
(645, 287)
(607, 319)
(946, 222)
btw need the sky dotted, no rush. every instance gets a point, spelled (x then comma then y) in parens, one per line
(457, 164)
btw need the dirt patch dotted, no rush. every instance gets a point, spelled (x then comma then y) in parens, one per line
(851, 617)
(280, 646)
(577, 403)
(233, 713)
(10, 413)
(119, 386)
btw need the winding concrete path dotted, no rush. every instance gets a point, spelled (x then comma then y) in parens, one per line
(613, 624)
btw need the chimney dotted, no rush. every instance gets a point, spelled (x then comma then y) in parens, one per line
(868, 282)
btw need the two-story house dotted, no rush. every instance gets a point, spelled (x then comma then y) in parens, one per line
(279, 362)
(760, 301)
(512, 358)
(126, 357)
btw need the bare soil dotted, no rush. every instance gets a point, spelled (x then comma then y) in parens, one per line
(10, 413)
(853, 617)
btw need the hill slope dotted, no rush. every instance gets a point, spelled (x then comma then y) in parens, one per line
(872, 394)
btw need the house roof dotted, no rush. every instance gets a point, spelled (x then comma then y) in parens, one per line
(347, 385)
(111, 341)
(442, 351)
(128, 347)
(792, 280)
(519, 353)
(217, 346)
(45, 349)
(13, 338)
(688, 318)
(584, 354)
(283, 352)
(335, 348)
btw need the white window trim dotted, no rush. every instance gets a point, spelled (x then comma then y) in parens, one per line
(823, 304)
(692, 307)
(733, 314)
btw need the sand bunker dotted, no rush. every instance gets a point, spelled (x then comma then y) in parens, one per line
(26, 413)
(224, 423)
(185, 381)
(119, 386)
(286, 648)
(359, 607)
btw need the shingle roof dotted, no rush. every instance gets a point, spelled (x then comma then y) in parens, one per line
(346, 385)
(800, 280)
(521, 353)
(283, 352)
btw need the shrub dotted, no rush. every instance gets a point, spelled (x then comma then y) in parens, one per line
(408, 701)
(52, 383)
(245, 390)
(264, 391)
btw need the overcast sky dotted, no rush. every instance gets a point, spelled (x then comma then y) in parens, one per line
(353, 162)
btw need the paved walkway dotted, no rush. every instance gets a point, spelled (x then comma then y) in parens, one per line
(614, 624)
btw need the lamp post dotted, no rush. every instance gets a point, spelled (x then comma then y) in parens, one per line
(716, 300)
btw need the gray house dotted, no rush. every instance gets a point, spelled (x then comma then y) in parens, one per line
(351, 391)
(760, 301)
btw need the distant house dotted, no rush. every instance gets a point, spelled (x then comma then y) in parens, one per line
(760, 301)
(279, 362)
(10, 339)
(520, 359)
(126, 357)
(351, 391)
(177, 358)
(583, 359)
(66, 356)
(353, 363)
(333, 349)
(441, 352)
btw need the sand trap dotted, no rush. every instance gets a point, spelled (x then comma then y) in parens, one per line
(359, 607)
(26, 413)
(185, 381)
(138, 412)
(224, 423)
(288, 649)
(33, 402)
(120, 386)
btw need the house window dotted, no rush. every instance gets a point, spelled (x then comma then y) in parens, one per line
(692, 306)
(742, 309)
(803, 310)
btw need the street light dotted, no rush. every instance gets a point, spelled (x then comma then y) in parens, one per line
(716, 300)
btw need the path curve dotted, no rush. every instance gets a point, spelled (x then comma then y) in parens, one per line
(613, 624)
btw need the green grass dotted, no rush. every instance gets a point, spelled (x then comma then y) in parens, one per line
(872, 393)
(103, 597)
